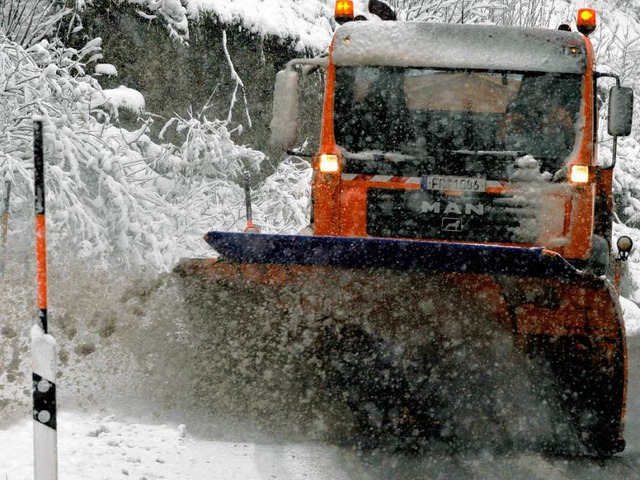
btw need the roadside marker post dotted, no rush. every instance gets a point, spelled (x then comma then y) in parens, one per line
(250, 228)
(5, 225)
(43, 345)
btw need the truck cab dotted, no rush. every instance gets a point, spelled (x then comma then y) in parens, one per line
(466, 134)
(458, 204)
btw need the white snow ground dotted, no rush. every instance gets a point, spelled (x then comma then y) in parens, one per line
(93, 447)
(106, 447)
(631, 314)
(111, 447)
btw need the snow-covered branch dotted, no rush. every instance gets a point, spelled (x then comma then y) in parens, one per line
(238, 81)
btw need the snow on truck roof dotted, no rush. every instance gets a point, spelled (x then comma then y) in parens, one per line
(408, 44)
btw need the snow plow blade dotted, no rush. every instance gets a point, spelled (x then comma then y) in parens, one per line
(429, 315)
(402, 255)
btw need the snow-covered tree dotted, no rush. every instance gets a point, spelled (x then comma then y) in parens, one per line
(28, 21)
(114, 195)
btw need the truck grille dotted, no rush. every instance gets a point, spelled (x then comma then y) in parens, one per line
(475, 217)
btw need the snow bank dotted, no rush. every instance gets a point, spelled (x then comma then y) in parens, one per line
(631, 313)
(307, 23)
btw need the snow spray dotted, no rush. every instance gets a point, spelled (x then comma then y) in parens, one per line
(43, 345)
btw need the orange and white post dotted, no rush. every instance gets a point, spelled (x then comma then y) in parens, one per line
(250, 228)
(43, 345)
(5, 225)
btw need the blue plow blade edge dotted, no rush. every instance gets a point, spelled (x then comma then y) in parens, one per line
(392, 254)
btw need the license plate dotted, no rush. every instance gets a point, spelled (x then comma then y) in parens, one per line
(454, 184)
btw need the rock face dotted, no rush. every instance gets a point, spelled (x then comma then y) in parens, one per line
(175, 77)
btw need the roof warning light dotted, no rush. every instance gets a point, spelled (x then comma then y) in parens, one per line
(344, 11)
(586, 20)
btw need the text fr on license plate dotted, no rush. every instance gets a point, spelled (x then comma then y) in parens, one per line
(458, 184)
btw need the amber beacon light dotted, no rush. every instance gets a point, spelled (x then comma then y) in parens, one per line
(579, 174)
(344, 11)
(329, 163)
(586, 20)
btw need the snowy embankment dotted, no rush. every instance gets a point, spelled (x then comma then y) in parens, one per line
(631, 313)
(309, 22)
(115, 197)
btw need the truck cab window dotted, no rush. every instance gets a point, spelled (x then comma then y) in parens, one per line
(370, 108)
(422, 111)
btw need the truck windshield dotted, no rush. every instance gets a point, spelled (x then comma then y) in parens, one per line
(421, 111)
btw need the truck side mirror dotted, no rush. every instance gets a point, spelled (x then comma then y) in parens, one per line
(620, 111)
(284, 122)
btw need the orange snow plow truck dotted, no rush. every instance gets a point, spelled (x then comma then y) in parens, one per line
(456, 197)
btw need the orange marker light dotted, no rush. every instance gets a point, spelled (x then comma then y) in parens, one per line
(586, 20)
(329, 163)
(344, 11)
(579, 174)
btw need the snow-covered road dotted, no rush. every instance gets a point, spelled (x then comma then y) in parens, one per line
(98, 447)
(120, 420)
(106, 447)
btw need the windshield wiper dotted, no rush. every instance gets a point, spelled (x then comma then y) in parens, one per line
(495, 153)
(379, 156)
(386, 163)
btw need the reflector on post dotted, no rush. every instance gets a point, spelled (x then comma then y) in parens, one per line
(344, 11)
(586, 20)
